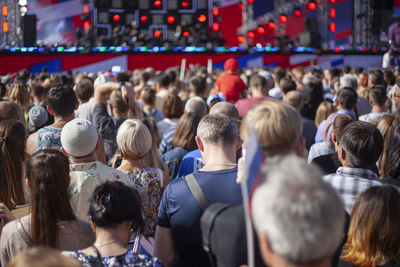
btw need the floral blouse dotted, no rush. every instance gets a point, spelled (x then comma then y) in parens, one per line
(129, 259)
(148, 182)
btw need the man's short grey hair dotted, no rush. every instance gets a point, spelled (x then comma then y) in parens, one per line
(196, 105)
(349, 80)
(217, 129)
(301, 215)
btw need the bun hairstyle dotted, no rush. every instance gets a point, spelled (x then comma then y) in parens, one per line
(113, 203)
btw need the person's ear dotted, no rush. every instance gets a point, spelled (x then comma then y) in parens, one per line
(199, 143)
(28, 184)
(239, 143)
(265, 248)
(301, 146)
(341, 154)
(50, 110)
(64, 152)
(77, 105)
(333, 136)
(371, 102)
(93, 225)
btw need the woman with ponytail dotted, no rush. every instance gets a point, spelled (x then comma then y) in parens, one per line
(51, 222)
(12, 156)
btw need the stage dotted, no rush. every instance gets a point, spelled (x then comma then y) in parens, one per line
(60, 59)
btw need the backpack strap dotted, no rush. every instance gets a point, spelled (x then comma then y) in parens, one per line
(197, 192)
(25, 236)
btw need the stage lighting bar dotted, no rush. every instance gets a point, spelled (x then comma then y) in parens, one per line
(5, 26)
(271, 24)
(215, 26)
(260, 30)
(312, 5)
(5, 11)
(332, 27)
(283, 18)
(297, 12)
(333, 12)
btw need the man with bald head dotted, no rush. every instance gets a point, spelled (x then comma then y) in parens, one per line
(193, 160)
(293, 98)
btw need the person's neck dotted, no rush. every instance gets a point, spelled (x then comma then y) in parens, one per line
(60, 121)
(82, 101)
(282, 263)
(257, 94)
(218, 158)
(111, 242)
(129, 164)
(377, 109)
(119, 115)
(37, 101)
(91, 158)
(148, 108)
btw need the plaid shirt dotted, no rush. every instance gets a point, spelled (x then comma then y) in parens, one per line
(350, 182)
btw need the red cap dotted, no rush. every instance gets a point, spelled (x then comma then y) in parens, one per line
(231, 64)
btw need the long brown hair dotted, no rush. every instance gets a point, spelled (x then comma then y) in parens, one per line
(12, 156)
(48, 173)
(186, 131)
(386, 125)
(374, 233)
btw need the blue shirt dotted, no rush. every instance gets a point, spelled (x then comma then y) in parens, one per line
(180, 211)
(166, 141)
(191, 162)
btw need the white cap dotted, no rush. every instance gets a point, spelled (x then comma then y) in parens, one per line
(79, 137)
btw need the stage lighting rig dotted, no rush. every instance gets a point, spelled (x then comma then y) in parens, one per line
(312, 5)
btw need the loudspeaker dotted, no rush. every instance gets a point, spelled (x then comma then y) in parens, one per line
(29, 30)
(313, 28)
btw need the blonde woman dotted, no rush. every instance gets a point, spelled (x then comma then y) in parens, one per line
(134, 143)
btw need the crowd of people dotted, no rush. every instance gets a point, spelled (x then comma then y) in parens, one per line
(143, 169)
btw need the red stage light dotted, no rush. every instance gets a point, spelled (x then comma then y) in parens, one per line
(186, 34)
(202, 18)
(215, 11)
(271, 24)
(185, 4)
(374, 50)
(5, 26)
(333, 1)
(241, 5)
(251, 35)
(86, 9)
(283, 18)
(5, 11)
(171, 19)
(312, 6)
(157, 3)
(143, 19)
(332, 27)
(86, 25)
(215, 26)
(337, 50)
(333, 12)
(241, 39)
(250, 1)
(157, 34)
(116, 18)
(297, 12)
(260, 30)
